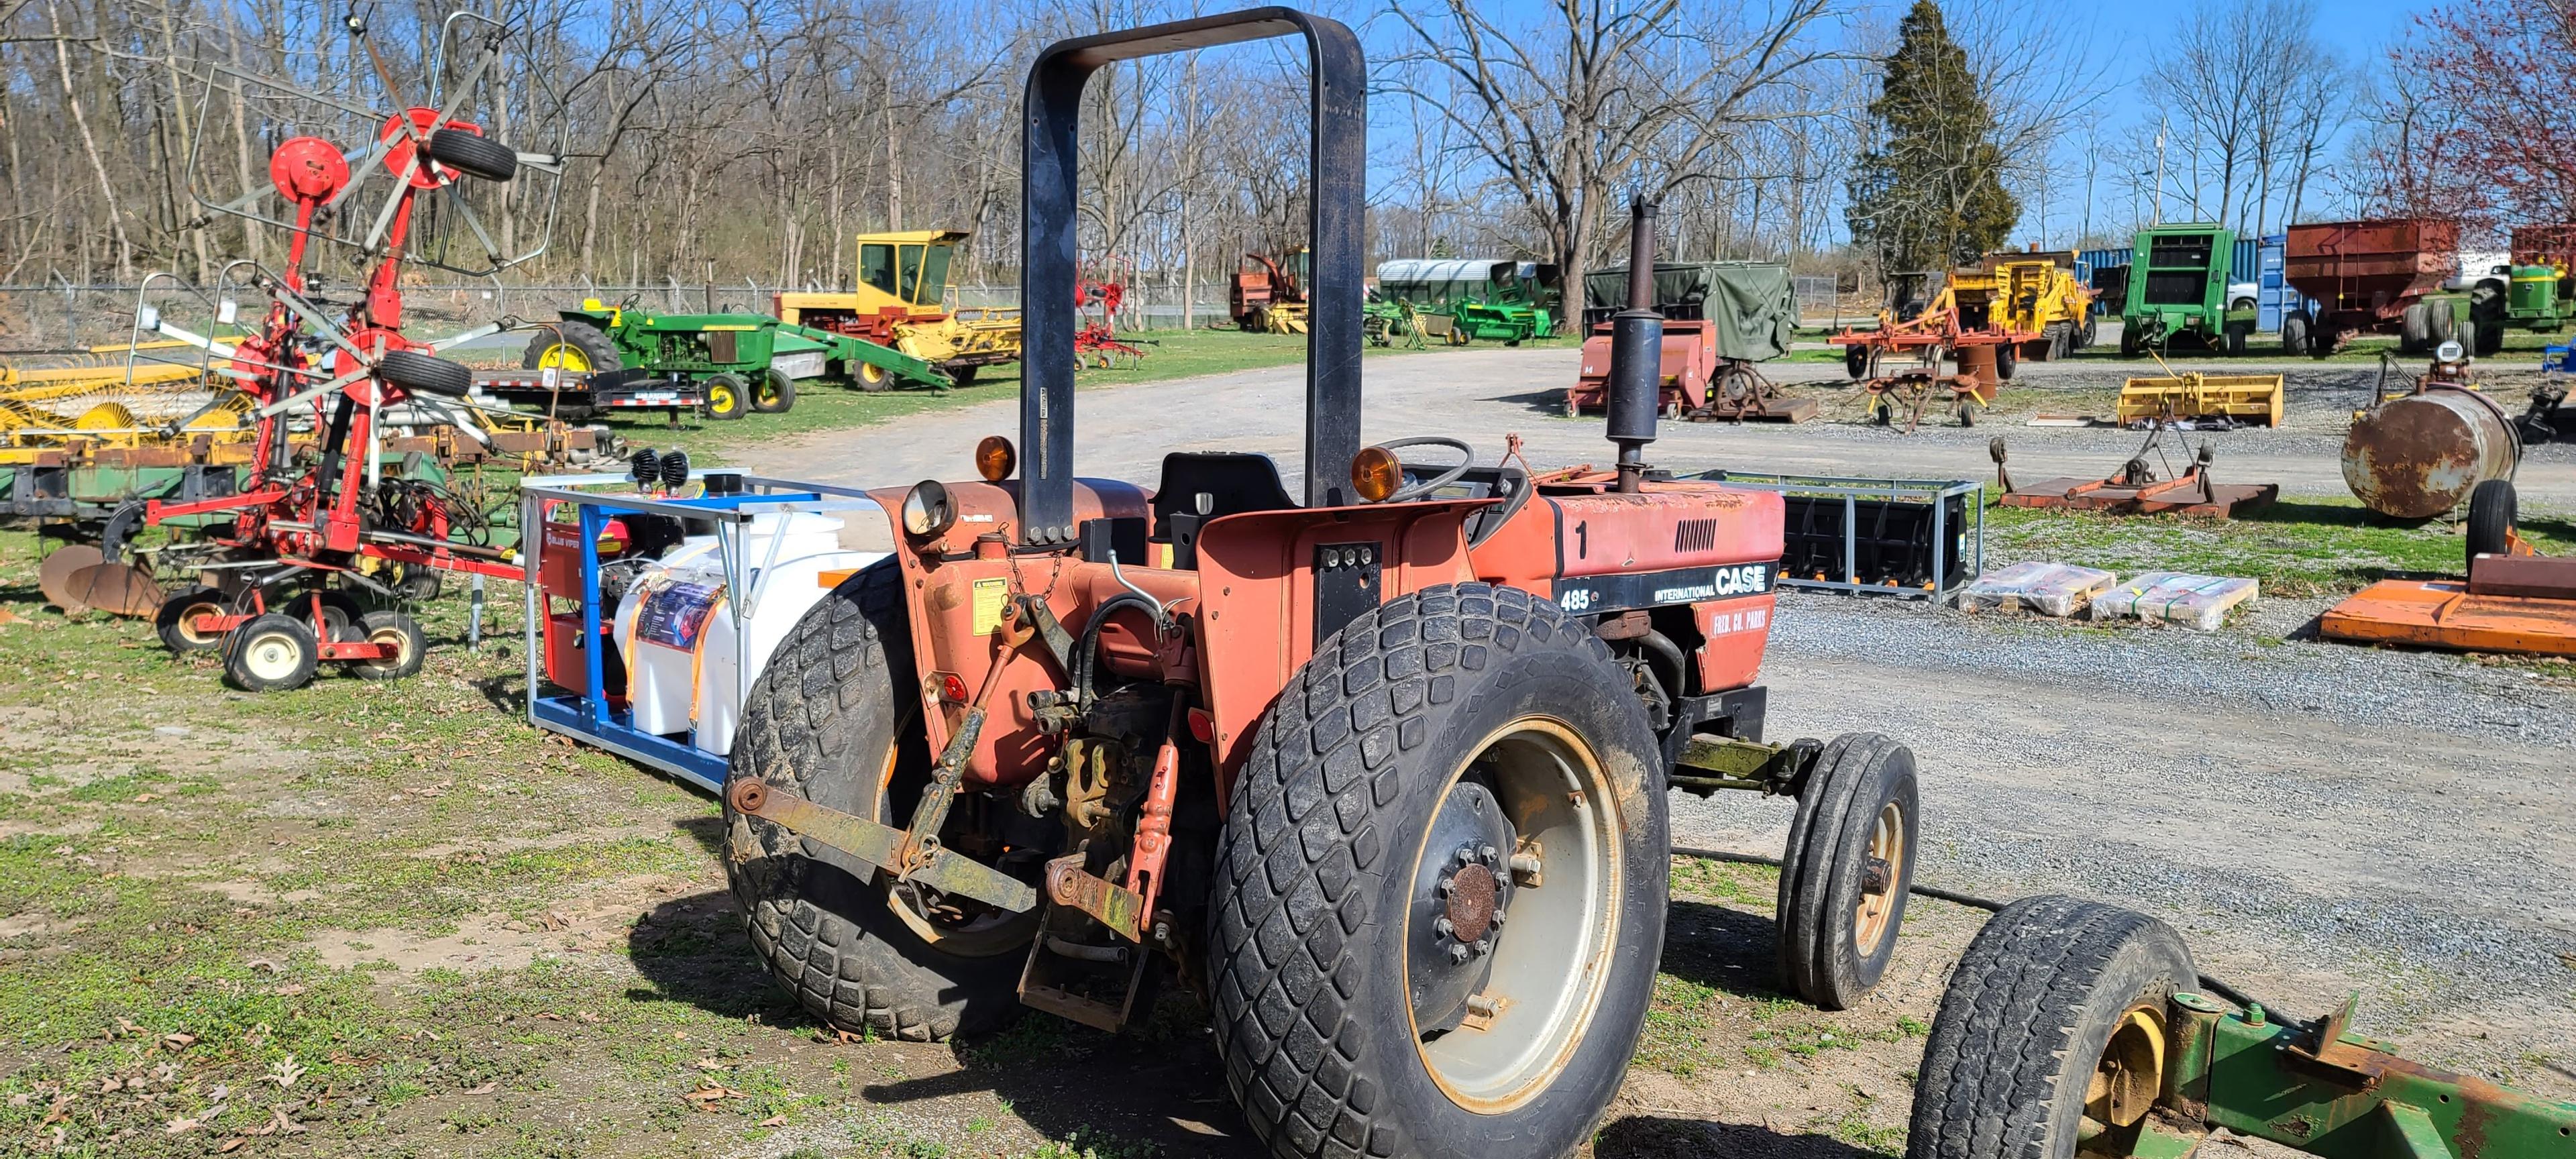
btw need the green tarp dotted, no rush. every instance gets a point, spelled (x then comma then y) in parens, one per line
(1754, 305)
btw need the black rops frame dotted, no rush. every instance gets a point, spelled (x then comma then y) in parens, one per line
(1048, 196)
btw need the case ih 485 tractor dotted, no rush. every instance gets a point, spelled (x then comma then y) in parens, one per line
(1380, 775)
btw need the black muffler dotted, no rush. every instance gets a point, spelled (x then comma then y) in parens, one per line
(1636, 352)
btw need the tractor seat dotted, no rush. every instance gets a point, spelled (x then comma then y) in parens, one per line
(1198, 486)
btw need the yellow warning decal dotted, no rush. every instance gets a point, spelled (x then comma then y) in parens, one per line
(990, 596)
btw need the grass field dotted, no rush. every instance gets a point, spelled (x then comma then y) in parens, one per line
(2307, 547)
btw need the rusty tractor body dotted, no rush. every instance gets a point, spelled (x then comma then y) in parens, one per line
(1377, 767)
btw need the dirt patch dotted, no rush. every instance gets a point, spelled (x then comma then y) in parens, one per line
(590, 924)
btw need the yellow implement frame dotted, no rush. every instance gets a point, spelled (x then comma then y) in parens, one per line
(2247, 398)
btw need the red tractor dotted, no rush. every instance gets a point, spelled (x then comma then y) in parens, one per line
(1381, 775)
(301, 528)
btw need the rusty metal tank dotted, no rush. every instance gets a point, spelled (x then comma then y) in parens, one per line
(2418, 456)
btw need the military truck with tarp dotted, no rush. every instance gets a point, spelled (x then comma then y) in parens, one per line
(1720, 318)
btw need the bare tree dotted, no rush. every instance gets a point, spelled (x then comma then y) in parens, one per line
(1592, 95)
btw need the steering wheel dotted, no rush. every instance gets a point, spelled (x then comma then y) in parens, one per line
(1466, 459)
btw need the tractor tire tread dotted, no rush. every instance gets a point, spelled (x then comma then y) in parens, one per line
(2002, 1044)
(838, 970)
(1293, 911)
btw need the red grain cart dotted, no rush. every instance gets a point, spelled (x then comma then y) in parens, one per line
(2374, 277)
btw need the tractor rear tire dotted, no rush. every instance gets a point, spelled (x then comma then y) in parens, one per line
(272, 653)
(728, 397)
(581, 341)
(425, 374)
(1344, 968)
(473, 154)
(410, 646)
(777, 394)
(1846, 870)
(836, 718)
(2050, 994)
(176, 622)
(2491, 518)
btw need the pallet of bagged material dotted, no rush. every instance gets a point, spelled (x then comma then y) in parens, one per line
(2172, 597)
(2050, 589)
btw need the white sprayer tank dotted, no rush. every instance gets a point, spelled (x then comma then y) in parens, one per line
(675, 627)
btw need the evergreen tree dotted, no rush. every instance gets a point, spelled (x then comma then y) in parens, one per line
(1928, 193)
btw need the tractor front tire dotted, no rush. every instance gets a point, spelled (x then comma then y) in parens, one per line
(272, 653)
(728, 397)
(776, 394)
(2054, 998)
(836, 718)
(1846, 870)
(1453, 758)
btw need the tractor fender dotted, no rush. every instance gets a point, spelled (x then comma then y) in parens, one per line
(1275, 584)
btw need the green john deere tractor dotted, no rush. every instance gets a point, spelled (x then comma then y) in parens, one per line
(746, 362)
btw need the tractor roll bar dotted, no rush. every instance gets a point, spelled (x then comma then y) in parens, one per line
(1049, 198)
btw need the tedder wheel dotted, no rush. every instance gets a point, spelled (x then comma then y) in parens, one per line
(728, 397)
(397, 630)
(341, 613)
(2491, 518)
(872, 377)
(418, 585)
(777, 393)
(425, 374)
(176, 622)
(836, 717)
(1846, 870)
(1456, 758)
(474, 154)
(274, 652)
(2052, 1031)
(575, 344)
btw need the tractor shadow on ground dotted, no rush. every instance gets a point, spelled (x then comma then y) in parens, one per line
(1656, 1137)
(1159, 1085)
(1549, 402)
(1723, 948)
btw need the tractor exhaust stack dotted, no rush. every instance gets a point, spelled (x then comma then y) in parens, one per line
(1636, 352)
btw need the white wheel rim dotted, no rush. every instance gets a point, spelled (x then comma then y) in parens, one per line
(271, 656)
(1550, 985)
